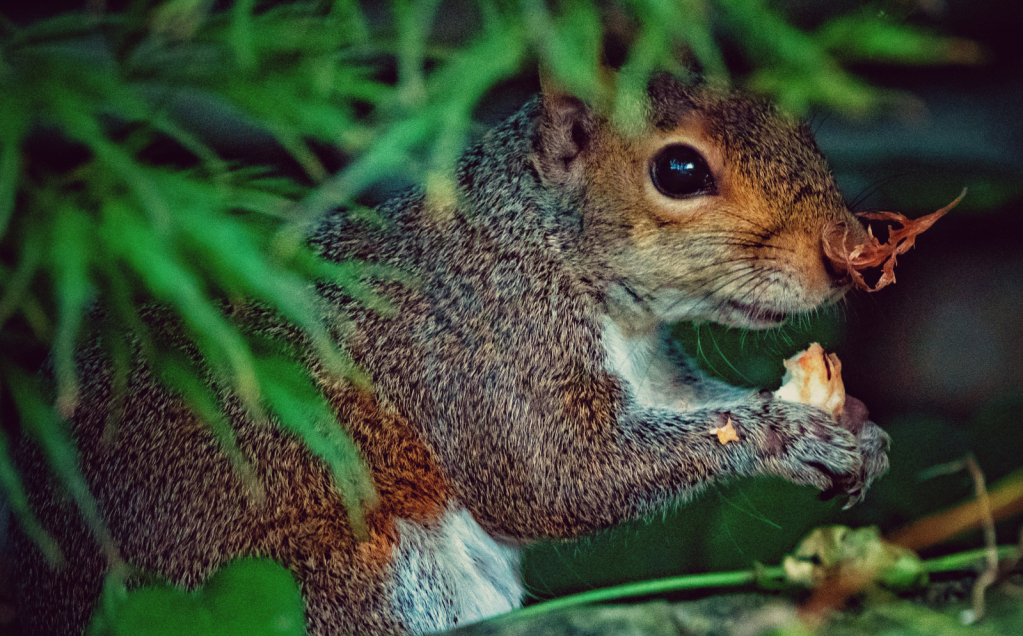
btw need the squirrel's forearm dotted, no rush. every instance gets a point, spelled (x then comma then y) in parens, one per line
(574, 480)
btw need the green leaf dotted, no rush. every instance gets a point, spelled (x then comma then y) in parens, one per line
(171, 281)
(692, 25)
(632, 79)
(40, 421)
(245, 271)
(162, 611)
(860, 38)
(302, 409)
(352, 276)
(462, 81)
(260, 201)
(13, 122)
(16, 286)
(573, 49)
(248, 597)
(242, 34)
(17, 499)
(61, 27)
(178, 19)
(797, 89)
(179, 374)
(255, 597)
(413, 20)
(73, 238)
(568, 45)
(795, 68)
(389, 152)
(347, 17)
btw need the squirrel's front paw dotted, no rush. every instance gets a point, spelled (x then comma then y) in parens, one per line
(873, 445)
(814, 377)
(805, 445)
(809, 447)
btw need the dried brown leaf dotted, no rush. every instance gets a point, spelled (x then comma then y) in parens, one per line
(852, 260)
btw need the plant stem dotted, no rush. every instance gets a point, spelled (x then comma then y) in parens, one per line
(657, 586)
(951, 562)
(962, 560)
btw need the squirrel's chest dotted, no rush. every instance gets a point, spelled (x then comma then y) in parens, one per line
(642, 363)
(451, 573)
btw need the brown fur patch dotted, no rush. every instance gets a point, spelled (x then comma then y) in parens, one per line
(407, 478)
(311, 519)
(178, 509)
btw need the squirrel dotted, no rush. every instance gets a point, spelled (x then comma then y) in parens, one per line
(525, 386)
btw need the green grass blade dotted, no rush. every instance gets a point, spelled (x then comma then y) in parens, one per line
(242, 38)
(303, 410)
(870, 38)
(169, 280)
(15, 121)
(389, 152)
(413, 20)
(181, 376)
(347, 16)
(17, 285)
(73, 237)
(245, 271)
(17, 499)
(40, 421)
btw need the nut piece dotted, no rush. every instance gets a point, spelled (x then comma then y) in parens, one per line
(726, 433)
(814, 377)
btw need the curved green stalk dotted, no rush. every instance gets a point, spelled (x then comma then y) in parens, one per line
(739, 578)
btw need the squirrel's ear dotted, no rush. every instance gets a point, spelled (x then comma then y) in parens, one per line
(563, 135)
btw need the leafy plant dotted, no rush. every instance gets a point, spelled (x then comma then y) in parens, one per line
(249, 597)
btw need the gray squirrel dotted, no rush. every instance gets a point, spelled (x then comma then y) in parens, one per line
(525, 386)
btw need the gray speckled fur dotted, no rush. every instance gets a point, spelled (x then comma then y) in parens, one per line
(508, 319)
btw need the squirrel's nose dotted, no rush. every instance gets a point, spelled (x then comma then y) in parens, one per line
(839, 276)
(840, 236)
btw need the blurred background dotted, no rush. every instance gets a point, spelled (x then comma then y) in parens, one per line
(343, 103)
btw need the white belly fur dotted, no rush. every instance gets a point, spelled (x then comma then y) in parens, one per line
(452, 573)
(641, 362)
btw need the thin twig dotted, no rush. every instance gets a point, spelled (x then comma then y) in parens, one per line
(949, 468)
(771, 578)
(1015, 560)
(990, 572)
(1006, 497)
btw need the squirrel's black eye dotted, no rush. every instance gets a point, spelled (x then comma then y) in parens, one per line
(679, 171)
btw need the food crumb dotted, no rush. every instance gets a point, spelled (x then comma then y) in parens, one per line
(726, 433)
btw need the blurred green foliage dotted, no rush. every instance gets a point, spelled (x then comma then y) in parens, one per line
(98, 220)
(249, 597)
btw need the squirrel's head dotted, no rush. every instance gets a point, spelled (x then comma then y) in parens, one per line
(713, 208)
